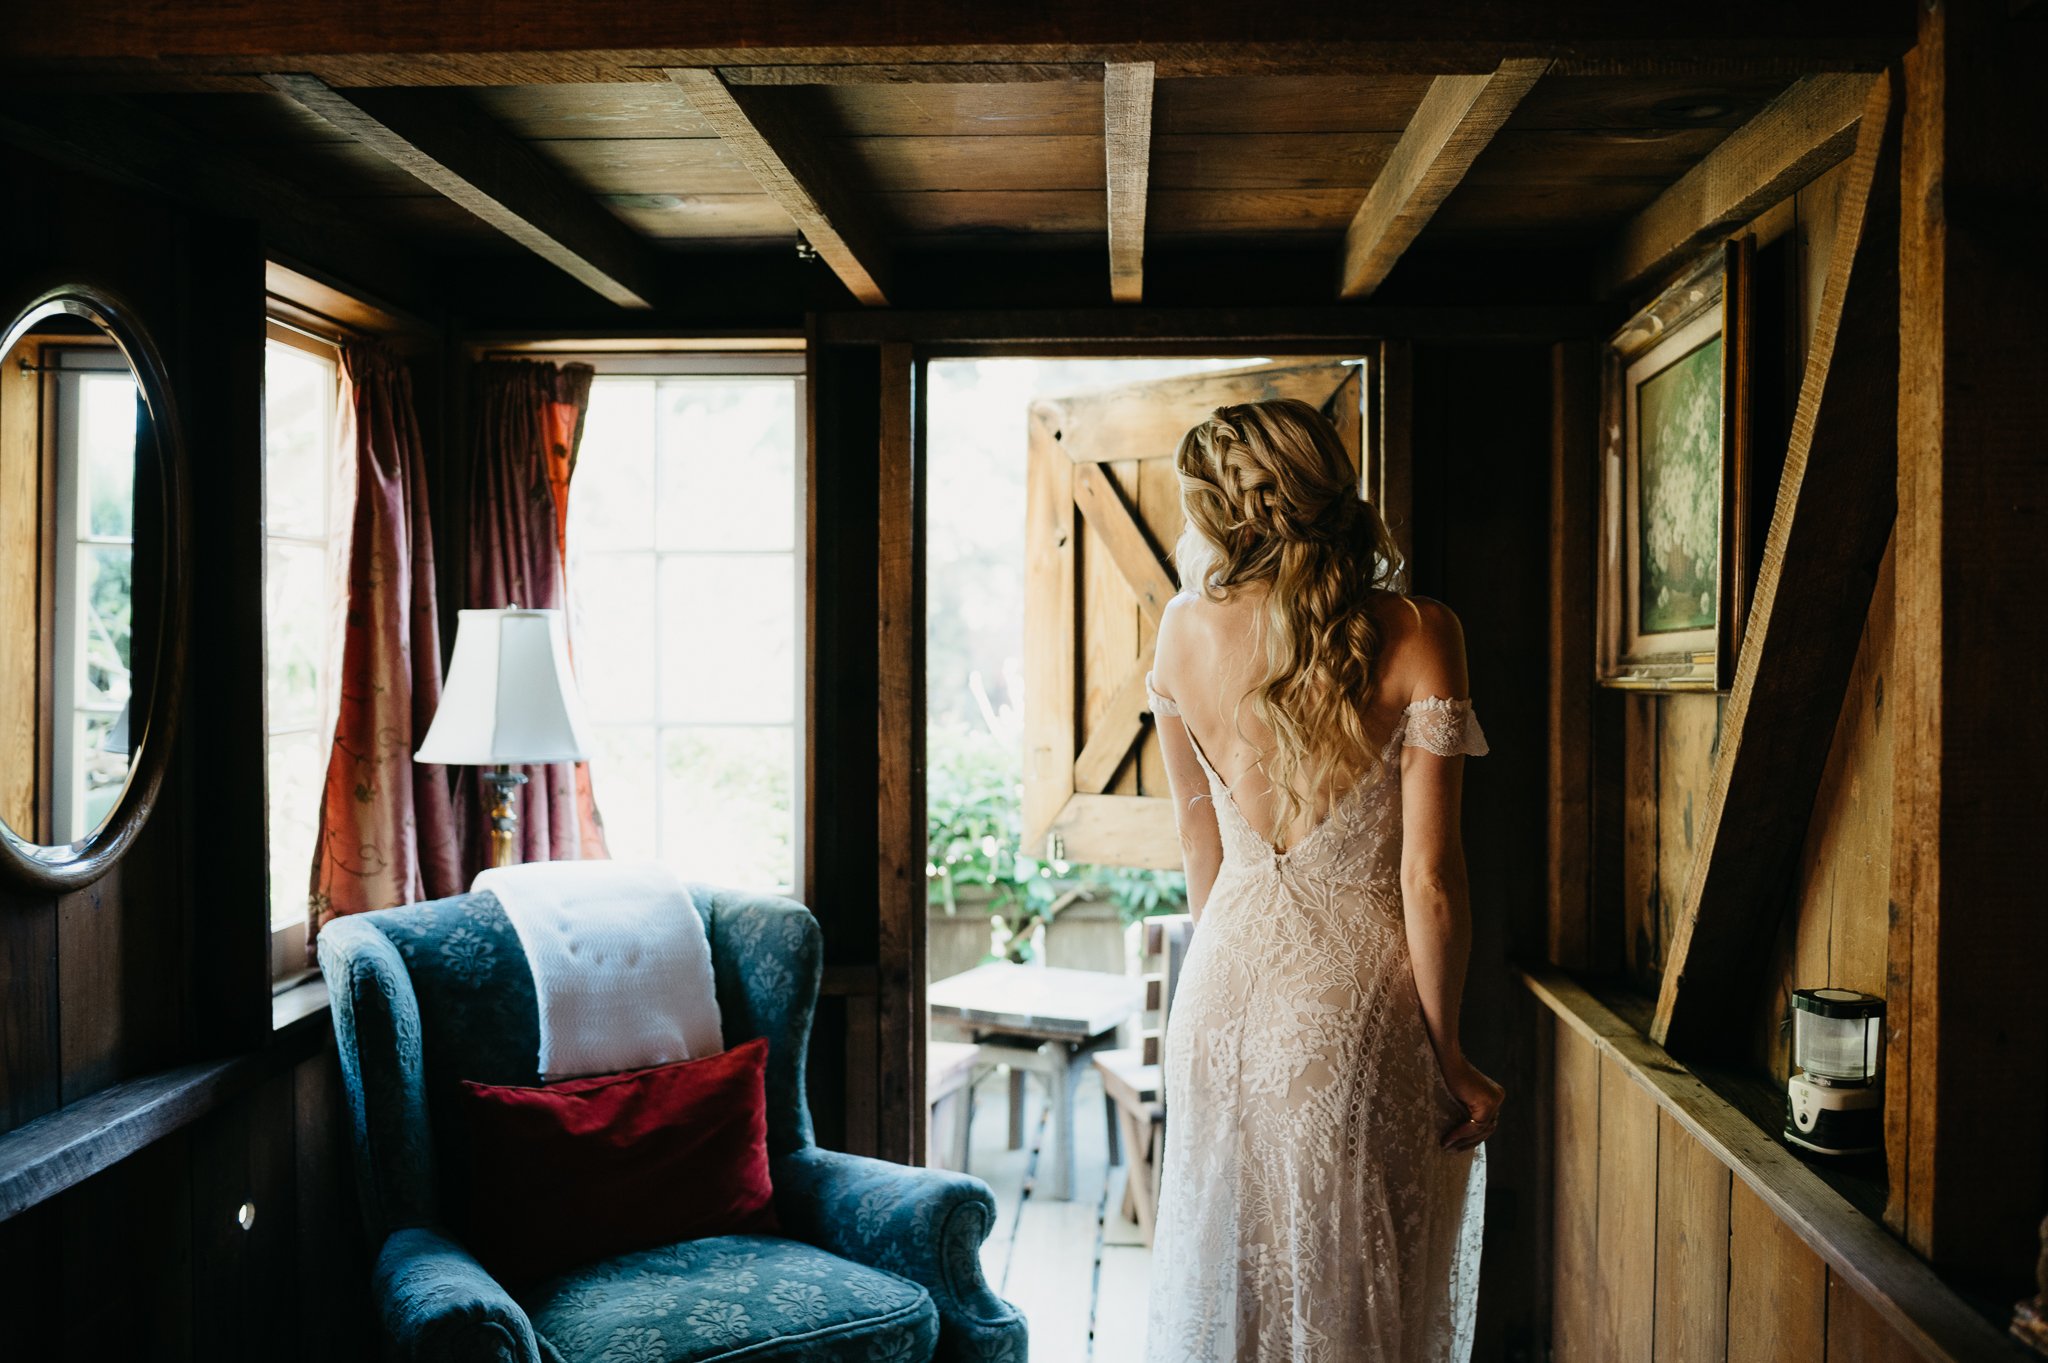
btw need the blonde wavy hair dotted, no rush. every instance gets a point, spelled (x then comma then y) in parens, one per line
(1271, 496)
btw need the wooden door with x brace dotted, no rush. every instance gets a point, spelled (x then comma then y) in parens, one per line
(1102, 515)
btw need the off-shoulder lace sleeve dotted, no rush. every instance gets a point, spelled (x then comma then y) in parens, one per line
(1160, 705)
(1444, 727)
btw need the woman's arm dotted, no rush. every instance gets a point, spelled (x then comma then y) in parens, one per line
(1435, 899)
(1194, 810)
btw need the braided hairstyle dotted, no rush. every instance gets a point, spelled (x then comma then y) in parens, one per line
(1271, 496)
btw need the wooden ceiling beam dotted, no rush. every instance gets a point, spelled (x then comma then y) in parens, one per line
(1795, 137)
(1127, 144)
(446, 143)
(599, 39)
(1835, 505)
(136, 145)
(1452, 125)
(800, 173)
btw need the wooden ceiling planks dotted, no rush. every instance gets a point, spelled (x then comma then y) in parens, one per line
(795, 167)
(454, 149)
(1015, 157)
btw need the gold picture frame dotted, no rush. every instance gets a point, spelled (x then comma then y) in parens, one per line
(1674, 483)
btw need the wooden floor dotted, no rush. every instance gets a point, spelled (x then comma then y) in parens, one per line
(1076, 1269)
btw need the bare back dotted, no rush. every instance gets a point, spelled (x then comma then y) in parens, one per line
(1211, 655)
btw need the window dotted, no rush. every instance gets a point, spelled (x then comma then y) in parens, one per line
(94, 561)
(684, 587)
(308, 500)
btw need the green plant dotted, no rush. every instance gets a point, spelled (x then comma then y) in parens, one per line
(974, 811)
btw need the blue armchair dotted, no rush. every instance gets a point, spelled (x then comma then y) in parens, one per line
(877, 1262)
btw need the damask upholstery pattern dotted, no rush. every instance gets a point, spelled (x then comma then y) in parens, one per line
(430, 994)
(715, 1297)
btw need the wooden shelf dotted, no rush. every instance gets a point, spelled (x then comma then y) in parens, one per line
(1900, 1287)
(42, 1158)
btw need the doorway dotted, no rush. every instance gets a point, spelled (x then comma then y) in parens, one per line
(1052, 510)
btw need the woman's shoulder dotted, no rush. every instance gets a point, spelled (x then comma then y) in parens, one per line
(1424, 645)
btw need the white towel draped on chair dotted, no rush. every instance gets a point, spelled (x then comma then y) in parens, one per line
(621, 965)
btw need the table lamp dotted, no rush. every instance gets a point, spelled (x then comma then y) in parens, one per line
(510, 700)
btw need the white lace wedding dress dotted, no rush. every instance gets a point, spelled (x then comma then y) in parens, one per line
(1307, 1211)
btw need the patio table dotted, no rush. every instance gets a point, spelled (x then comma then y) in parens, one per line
(1044, 1020)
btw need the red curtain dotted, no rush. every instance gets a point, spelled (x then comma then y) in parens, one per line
(529, 423)
(387, 831)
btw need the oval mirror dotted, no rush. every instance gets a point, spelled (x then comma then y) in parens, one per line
(90, 585)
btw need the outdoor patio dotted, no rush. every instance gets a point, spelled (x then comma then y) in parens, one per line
(1077, 1269)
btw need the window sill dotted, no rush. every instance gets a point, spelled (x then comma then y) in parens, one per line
(1897, 1283)
(62, 1149)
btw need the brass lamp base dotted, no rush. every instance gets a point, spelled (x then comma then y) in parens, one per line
(504, 814)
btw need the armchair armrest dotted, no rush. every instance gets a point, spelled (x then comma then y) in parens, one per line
(439, 1305)
(923, 1224)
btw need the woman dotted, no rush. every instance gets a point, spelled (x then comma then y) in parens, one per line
(1322, 1176)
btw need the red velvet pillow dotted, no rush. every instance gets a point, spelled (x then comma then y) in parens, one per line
(586, 1169)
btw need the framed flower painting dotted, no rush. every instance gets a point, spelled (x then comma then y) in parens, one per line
(1674, 466)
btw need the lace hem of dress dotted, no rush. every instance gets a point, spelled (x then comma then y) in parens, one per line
(1159, 705)
(1447, 728)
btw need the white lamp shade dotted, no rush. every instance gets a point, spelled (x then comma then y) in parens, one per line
(510, 696)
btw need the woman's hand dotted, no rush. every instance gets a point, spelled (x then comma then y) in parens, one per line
(1481, 1099)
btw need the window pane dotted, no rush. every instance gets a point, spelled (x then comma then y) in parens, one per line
(725, 805)
(298, 767)
(295, 624)
(728, 465)
(622, 767)
(612, 502)
(106, 595)
(106, 439)
(727, 639)
(612, 633)
(298, 416)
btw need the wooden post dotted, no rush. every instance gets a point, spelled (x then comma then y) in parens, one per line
(1967, 1096)
(899, 758)
(1574, 518)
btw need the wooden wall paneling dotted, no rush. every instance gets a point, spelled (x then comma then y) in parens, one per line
(30, 1060)
(1625, 1250)
(1688, 740)
(1897, 1283)
(1857, 1333)
(245, 1279)
(123, 1248)
(1127, 147)
(1575, 1196)
(334, 1315)
(1777, 1287)
(899, 761)
(1574, 446)
(1692, 1249)
(31, 1279)
(1970, 941)
(1803, 132)
(1833, 514)
(1642, 909)
(1453, 124)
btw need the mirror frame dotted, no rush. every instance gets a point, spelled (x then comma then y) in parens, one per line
(70, 866)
